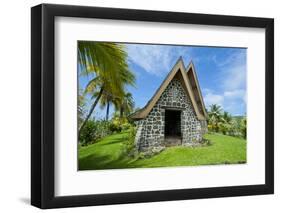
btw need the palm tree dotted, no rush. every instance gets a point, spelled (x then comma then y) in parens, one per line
(225, 123)
(106, 63)
(214, 116)
(226, 117)
(126, 105)
(215, 110)
(81, 105)
(106, 100)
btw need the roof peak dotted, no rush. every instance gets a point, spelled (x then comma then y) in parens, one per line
(180, 60)
(178, 67)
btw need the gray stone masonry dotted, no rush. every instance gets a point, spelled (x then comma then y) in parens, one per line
(151, 130)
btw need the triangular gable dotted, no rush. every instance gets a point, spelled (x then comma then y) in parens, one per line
(178, 68)
(193, 80)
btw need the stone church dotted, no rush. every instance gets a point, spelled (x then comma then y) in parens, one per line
(175, 115)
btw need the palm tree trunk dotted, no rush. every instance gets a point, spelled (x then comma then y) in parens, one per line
(107, 110)
(90, 112)
(121, 111)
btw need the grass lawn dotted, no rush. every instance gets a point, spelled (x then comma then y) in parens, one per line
(108, 153)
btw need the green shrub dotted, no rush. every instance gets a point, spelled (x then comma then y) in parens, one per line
(224, 128)
(141, 155)
(130, 147)
(115, 127)
(93, 131)
(97, 129)
(88, 133)
(118, 124)
(243, 128)
(126, 126)
(206, 142)
(103, 128)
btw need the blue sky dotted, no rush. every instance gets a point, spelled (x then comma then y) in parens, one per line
(221, 73)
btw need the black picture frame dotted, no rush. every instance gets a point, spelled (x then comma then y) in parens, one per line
(43, 105)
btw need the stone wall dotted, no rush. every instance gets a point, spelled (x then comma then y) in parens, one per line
(150, 133)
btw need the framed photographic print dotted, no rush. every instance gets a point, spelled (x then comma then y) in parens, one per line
(139, 106)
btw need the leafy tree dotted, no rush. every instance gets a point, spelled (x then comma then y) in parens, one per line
(126, 105)
(224, 127)
(106, 64)
(226, 117)
(225, 123)
(235, 127)
(243, 127)
(214, 117)
(105, 101)
(81, 105)
(215, 111)
(222, 121)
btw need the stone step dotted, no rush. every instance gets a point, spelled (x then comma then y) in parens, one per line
(172, 141)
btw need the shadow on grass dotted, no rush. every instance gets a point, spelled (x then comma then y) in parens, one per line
(113, 141)
(109, 153)
(97, 162)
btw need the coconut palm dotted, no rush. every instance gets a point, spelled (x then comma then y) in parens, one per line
(106, 64)
(226, 117)
(215, 110)
(225, 123)
(126, 105)
(81, 105)
(106, 100)
(214, 117)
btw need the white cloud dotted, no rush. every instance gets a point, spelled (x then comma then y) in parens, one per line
(235, 77)
(212, 98)
(156, 59)
(229, 100)
(231, 91)
(233, 70)
(235, 57)
(235, 94)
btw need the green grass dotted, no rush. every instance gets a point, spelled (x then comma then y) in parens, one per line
(109, 153)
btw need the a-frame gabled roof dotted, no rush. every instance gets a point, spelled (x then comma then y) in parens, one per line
(193, 80)
(190, 83)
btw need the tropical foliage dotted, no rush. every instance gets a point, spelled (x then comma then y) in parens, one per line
(81, 107)
(222, 121)
(126, 105)
(106, 65)
(94, 130)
